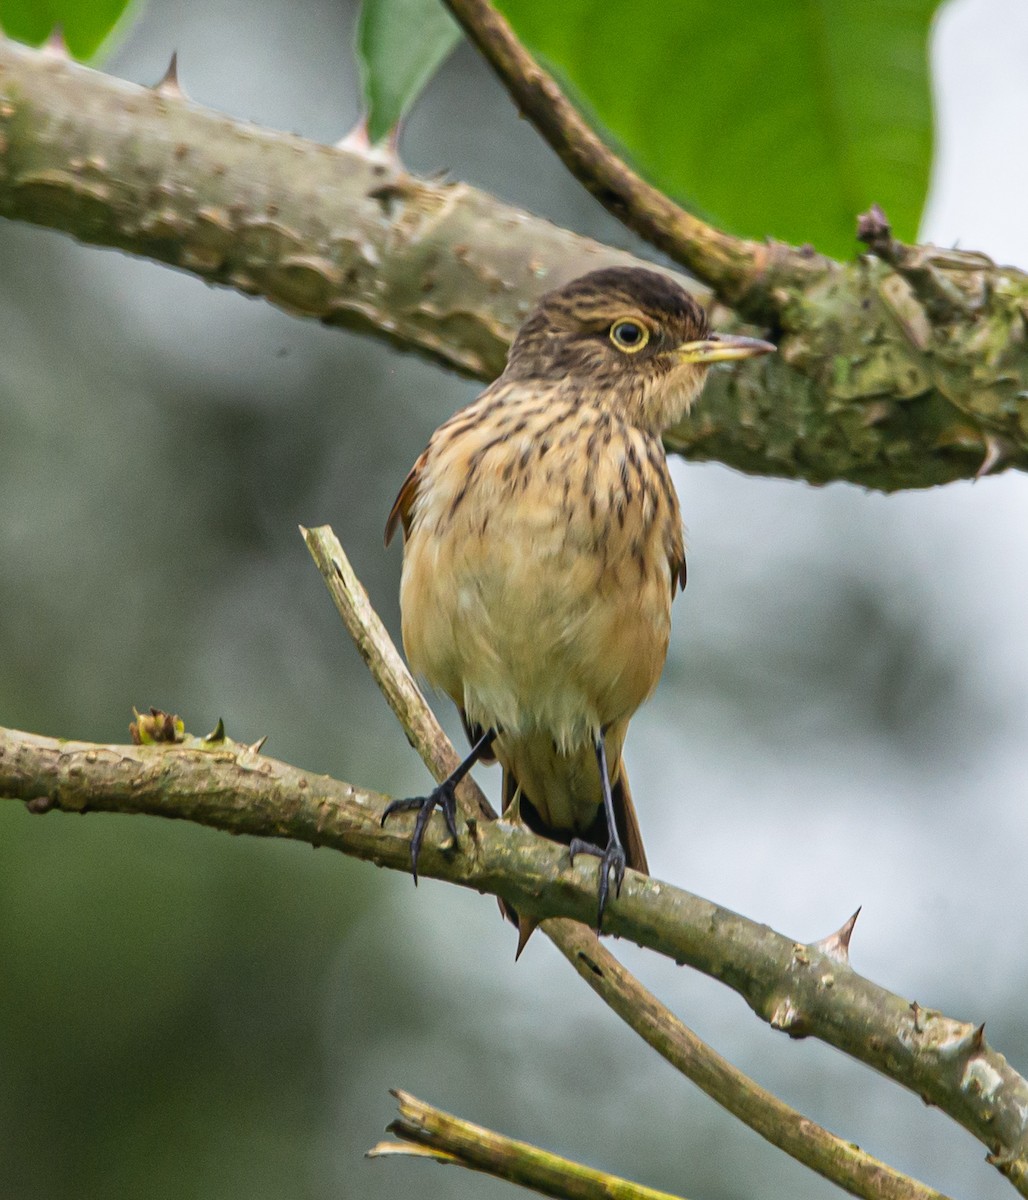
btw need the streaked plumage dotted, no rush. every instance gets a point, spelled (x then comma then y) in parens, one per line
(543, 541)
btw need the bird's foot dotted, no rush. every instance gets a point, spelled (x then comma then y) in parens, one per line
(442, 797)
(611, 859)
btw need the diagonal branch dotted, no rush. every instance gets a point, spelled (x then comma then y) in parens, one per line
(449, 1139)
(745, 274)
(840, 1161)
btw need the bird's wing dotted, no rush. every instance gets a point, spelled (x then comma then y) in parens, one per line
(675, 546)
(401, 510)
(461, 421)
(678, 573)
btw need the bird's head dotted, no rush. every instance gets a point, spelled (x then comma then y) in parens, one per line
(625, 339)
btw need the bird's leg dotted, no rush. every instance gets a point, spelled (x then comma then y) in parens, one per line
(443, 796)
(613, 857)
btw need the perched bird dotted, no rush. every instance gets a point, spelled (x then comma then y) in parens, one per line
(543, 547)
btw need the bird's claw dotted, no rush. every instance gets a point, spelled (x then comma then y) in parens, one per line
(442, 797)
(611, 859)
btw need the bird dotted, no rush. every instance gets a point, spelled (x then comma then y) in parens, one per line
(543, 546)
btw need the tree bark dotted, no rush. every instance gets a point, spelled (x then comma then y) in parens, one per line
(874, 383)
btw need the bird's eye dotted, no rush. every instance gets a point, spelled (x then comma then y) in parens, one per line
(629, 335)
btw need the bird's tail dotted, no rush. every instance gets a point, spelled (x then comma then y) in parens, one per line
(628, 831)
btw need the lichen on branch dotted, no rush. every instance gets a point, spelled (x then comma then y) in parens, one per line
(865, 387)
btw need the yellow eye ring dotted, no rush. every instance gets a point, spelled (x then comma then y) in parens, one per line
(629, 335)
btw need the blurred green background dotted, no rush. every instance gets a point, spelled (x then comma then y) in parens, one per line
(842, 720)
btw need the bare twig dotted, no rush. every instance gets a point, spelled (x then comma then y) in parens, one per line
(396, 683)
(452, 1140)
(838, 1160)
(743, 273)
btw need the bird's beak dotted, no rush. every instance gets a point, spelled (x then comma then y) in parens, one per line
(721, 347)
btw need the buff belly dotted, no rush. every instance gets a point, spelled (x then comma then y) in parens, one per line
(540, 631)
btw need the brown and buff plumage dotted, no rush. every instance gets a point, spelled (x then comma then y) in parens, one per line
(543, 546)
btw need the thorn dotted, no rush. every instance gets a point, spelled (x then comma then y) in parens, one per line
(959, 1039)
(995, 453)
(837, 945)
(217, 734)
(168, 84)
(391, 142)
(526, 927)
(383, 153)
(255, 747)
(357, 139)
(940, 298)
(55, 45)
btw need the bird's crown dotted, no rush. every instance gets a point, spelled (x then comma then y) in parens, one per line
(624, 339)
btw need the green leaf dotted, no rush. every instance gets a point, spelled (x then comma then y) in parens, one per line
(782, 120)
(400, 45)
(85, 24)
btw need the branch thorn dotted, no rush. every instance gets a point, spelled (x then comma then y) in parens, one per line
(837, 945)
(168, 84)
(217, 734)
(55, 45)
(357, 141)
(996, 452)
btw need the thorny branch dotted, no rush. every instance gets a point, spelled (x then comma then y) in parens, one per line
(866, 386)
(805, 990)
(216, 782)
(840, 1161)
(934, 380)
(938, 298)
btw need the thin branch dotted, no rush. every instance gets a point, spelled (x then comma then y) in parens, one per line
(799, 988)
(745, 274)
(838, 1160)
(453, 1140)
(388, 669)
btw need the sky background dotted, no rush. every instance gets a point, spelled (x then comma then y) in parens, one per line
(842, 721)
